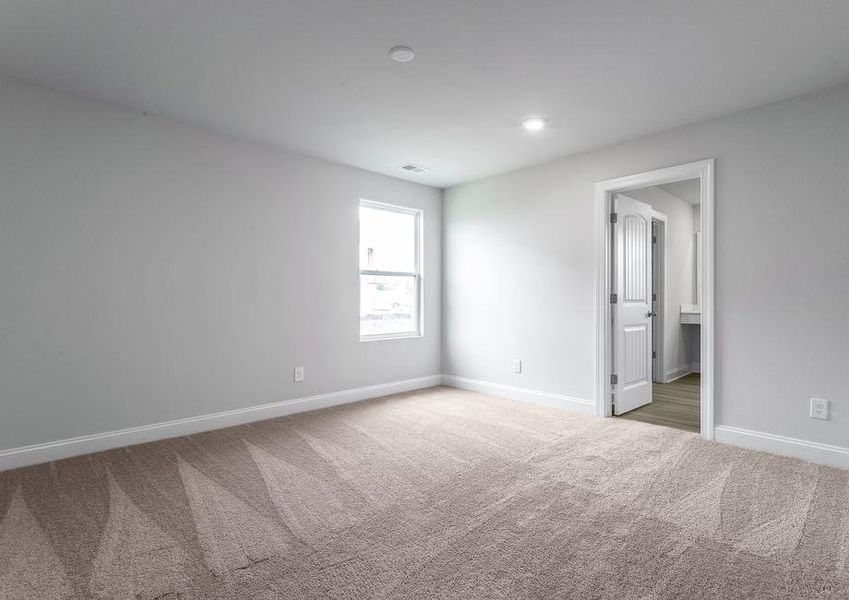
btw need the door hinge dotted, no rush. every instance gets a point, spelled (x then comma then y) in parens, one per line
(613, 298)
(614, 217)
(653, 354)
(654, 296)
(614, 379)
(654, 239)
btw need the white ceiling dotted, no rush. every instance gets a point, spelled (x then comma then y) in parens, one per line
(312, 76)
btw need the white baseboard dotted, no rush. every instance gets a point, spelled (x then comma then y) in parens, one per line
(40, 453)
(786, 446)
(522, 394)
(695, 367)
(676, 373)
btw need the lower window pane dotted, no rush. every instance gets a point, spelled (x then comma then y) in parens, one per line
(387, 304)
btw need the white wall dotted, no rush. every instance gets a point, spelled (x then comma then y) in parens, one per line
(680, 275)
(153, 271)
(519, 265)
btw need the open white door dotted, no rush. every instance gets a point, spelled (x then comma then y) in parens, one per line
(632, 312)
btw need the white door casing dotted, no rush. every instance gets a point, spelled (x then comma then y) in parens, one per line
(703, 170)
(657, 271)
(632, 313)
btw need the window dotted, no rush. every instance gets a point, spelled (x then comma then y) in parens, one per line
(390, 271)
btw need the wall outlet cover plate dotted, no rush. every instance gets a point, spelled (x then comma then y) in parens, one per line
(819, 408)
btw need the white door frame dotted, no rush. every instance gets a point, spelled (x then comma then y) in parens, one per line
(659, 273)
(604, 190)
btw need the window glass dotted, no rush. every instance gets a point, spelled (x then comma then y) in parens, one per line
(387, 240)
(390, 278)
(387, 304)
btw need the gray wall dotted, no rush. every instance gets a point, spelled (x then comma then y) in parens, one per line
(152, 271)
(519, 278)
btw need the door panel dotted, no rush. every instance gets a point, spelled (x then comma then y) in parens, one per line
(634, 338)
(632, 326)
(634, 283)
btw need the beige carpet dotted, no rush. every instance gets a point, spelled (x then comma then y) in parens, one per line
(435, 494)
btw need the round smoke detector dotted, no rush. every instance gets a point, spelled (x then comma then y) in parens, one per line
(401, 54)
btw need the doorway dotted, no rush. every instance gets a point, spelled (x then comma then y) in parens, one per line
(655, 288)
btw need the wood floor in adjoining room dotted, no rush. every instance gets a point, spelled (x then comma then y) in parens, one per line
(674, 404)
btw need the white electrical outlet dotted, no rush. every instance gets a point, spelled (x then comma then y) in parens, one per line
(819, 408)
(517, 365)
(299, 373)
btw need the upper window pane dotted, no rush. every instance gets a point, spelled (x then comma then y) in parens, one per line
(387, 240)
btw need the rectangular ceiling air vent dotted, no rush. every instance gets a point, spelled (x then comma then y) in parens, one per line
(414, 168)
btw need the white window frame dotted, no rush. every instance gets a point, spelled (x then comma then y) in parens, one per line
(419, 287)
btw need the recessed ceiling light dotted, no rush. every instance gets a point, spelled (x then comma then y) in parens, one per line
(534, 123)
(401, 54)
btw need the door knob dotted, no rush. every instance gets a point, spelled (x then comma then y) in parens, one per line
(651, 314)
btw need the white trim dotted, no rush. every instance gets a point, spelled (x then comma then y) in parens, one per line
(39, 453)
(399, 208)
(786, 446)
(389, 273)
(522, 394)
(702, 170)
(677, 373)
(376, 337)
(659, 304)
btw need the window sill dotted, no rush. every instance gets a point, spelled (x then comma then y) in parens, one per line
(390, 336)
